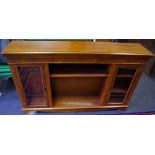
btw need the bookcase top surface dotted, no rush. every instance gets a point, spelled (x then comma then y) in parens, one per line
(75, 47)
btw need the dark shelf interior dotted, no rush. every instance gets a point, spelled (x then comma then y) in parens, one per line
(65, 69)
(119, 89)
(116, 98)
(126, 71)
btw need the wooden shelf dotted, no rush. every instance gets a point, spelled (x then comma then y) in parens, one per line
(124, 75)
(119, 90)
(78, 75)
(76, 101)
(115, 102)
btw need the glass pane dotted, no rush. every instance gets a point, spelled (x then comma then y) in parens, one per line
(121, 85)
(32, 81)
(119, 90)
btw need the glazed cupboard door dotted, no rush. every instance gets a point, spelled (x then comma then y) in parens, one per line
(31, 80)
(124, 84)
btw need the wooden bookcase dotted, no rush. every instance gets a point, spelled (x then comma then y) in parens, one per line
(75, 75)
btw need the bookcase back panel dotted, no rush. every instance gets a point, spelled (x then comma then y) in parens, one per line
(77, 86)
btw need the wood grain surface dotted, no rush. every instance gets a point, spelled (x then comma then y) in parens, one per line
(75, 47)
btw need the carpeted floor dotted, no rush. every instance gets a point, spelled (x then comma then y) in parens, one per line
(143, 101)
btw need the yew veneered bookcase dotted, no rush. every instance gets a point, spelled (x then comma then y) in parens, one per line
(75, 75)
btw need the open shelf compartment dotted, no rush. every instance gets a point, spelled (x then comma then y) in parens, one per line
(77, 91)
(78, 70)
(77, 85)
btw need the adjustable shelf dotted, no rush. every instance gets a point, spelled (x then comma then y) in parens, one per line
(119, 89)
(125, 75)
